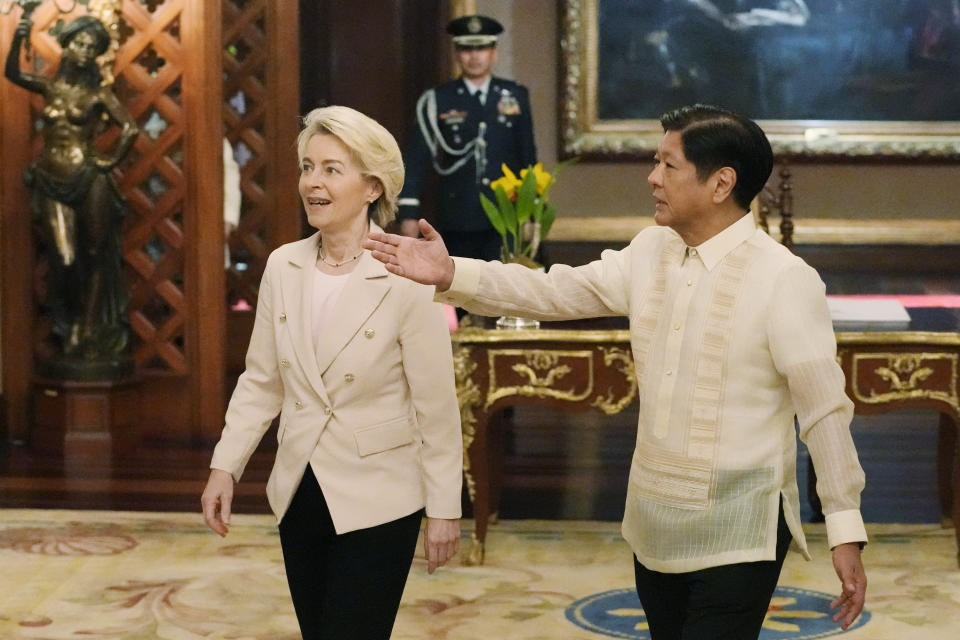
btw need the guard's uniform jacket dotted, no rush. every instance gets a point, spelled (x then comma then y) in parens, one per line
(465, 143)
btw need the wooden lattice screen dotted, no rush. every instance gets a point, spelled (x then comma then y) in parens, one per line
(261, 129)
(170, 70)
(150, 70)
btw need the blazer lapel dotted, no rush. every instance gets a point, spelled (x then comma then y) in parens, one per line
(362, 294)
(297, 285)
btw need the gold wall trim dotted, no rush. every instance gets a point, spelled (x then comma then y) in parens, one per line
(806, 231)
(835, 231)
(598, 229)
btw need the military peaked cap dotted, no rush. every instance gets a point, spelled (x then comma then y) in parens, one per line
(474, 31)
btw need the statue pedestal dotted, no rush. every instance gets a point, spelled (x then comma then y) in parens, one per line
(85, 422)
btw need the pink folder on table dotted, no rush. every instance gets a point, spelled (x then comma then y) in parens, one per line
(948, 300)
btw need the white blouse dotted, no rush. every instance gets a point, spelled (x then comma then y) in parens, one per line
(326, 291)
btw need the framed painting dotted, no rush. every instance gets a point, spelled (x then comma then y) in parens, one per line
(826, 79)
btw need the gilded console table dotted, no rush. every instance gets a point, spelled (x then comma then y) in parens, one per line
(583, 369)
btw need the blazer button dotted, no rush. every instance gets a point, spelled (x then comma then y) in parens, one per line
(369, 333)
(327, 410)
(349, 377)
(298, 404)
(285, 363)
(283, 317)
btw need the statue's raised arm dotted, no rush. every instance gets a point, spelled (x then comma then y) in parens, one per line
(12, 71)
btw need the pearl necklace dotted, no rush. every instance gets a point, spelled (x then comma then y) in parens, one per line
(337, 264)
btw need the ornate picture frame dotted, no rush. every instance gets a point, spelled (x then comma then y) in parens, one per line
(882, 91)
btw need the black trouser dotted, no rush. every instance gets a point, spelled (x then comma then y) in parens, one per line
(720, 603)
(347, 586)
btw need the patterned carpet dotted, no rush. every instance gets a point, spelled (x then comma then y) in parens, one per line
(138, 576)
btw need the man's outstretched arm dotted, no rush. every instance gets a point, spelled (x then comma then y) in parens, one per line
(423, 260)
(600, 288)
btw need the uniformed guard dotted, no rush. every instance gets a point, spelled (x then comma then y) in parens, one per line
(465, 130)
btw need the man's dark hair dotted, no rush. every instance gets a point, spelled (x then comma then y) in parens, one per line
(714, 138)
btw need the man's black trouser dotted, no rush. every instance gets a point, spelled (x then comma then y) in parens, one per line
(720, 603)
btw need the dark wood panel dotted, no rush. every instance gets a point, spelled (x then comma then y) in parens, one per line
(375, 56)
(164, 411)
(150, 478)
(16, 250)
(205, 284)
(556, 465)
(239, 328)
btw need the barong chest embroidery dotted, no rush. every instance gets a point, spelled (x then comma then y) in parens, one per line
(684, 478)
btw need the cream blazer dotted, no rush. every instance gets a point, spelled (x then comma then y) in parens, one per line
(372, 408)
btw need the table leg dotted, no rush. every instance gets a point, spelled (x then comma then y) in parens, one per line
(480, 470)
(946, 457)
(496, 426)
(947, 467)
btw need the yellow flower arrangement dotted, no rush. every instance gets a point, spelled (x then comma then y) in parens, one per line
(522, 215)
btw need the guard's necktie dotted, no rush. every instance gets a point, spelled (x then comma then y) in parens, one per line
(478, 96)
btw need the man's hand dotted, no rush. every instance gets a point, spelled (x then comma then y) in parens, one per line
(216, 500)
(425, 261)
(440, 541)
(853, 582)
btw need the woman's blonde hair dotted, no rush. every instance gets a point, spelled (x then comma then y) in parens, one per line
(373, 148)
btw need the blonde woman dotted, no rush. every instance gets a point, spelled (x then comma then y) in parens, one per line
(358, 364)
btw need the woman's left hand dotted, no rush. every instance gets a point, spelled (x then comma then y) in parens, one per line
(440, 541)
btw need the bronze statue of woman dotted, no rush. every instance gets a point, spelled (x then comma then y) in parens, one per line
(76, 204)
